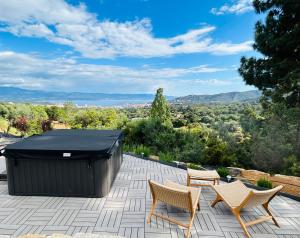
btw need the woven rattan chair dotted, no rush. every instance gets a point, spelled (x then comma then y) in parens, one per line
(176, 195)
(237, 196)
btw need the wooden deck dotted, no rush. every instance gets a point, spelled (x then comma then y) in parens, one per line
(123, 212)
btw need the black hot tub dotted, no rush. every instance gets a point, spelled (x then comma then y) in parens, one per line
(79, 163)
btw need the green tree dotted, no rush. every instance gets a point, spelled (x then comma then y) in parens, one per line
(160, 108)
(277, 73)
(217, 153)
(4, 111)
(274, 137)
(56, 113)
(85, 119)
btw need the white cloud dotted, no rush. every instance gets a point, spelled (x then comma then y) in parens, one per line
(62, 74)
(237, 7)
(65, 24)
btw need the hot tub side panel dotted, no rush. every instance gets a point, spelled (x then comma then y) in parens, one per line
(50, 177)
(106, 170)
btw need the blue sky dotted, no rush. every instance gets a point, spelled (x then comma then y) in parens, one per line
(125, 46)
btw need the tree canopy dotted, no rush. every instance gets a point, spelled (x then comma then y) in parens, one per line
(277, 73)
(160, 108)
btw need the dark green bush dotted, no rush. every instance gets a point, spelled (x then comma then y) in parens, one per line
(264, 183)
(166, 157)
(223, 172)
(184, 145)
(142, 150)
(217, 152)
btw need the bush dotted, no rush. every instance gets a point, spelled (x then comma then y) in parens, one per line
(141, 149)
(3, 124)
(292, 165)
(223, 172)
(217, 152)
(22, 125)
(127, 148)
(46, 125)
(264, 183)
(193, 166)
(166, 157)
(137, 149)
(184, 145)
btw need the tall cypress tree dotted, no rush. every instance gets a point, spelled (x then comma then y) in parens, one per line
(277, 73)
(160, 108)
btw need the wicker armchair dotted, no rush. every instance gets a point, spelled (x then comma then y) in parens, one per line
(237, 196)
(176, 195)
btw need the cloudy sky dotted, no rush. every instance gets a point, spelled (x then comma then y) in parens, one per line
(125, 46)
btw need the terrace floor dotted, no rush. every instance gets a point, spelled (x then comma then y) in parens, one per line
(123, 212)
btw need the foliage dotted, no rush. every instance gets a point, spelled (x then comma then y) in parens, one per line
(217, 153)
(3, 125)
(142, 150)
(277, 73)
(46, 125)
(160, 109)
(264, 183)
(151, 133)
(193, 166)
(166, 157)
(21, 124)
(56, 113)
(97, 119)
(137, 149)
(192, 147)
(223, 172)
(274, 137)
(237, 134)
(86, 119)
(292, 165)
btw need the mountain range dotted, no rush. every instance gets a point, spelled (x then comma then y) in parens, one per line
(14, 94)
(252, 95)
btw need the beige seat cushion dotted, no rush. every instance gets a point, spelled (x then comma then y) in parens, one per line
(195, 192)
(204, 174)
(233, 193)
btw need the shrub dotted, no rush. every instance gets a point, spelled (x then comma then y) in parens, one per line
(3, 124)
(193, 166)
(22, 125)
(292, 165)
(141, 149)
(217, 152)
(264, 183)
(166, 157)
(127, 148)
(46, 125)
(223, 172)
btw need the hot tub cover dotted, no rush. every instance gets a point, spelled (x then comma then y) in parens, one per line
(68, 141)
(76, 163)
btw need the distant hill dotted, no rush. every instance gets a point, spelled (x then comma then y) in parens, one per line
(252, 95)
(14, 94)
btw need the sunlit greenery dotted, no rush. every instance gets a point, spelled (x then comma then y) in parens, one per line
(264, 183)
(239, 134)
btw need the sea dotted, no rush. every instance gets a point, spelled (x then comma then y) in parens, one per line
(102, 103)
